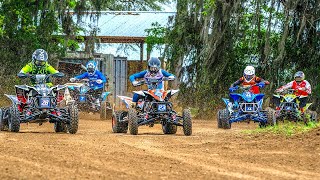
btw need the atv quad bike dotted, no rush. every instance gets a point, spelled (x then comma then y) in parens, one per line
(246, 106)
(154, 107)
(289, 108)
(39, 104)
(83, 96)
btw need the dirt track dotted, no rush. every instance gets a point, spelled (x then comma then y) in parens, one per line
(210, 153)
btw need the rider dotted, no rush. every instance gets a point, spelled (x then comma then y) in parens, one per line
(248, 79)
(96, 78)
(153, 72)
(302, 89)
(39, 65)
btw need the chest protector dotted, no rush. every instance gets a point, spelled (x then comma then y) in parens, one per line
(296, 85)
(159, 75)
(252, 82)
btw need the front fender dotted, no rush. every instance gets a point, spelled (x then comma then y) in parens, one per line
(13, 98)
(140, 93)
(126, 100)
(226, 101)
(104, 95)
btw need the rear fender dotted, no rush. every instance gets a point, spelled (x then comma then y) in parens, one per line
(126, 100)
(172, 92)
(259, 97)
(104, 95)
(13, 98)
(307, 106)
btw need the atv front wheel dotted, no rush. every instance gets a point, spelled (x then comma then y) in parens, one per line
(74, 119)
(14, 119)
(271, 116)
(117, 126)
(224, 116)
(133, 121)
(168, 128)
(187, 122)
(313, 116)
(60, 127)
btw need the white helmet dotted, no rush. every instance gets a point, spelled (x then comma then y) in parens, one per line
(249, 73)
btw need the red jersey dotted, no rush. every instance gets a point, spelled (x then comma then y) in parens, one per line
(254, 89)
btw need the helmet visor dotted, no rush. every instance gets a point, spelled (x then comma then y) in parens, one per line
(298, 78)
(90, 69)
(40, 63)
(248, 77)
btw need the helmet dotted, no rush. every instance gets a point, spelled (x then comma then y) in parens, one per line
(91, 67)
(154, 65)
(299, 76)
(249, 73)
(39, 57)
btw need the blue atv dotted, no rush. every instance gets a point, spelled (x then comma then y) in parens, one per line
(246, 106)
(86, 99)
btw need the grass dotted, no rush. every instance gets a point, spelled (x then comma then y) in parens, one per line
(287, 128)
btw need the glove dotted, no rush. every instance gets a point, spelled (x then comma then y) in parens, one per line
(73, 79)
(232, 89)
(278, 90)
(135, 83)
(171, 78)
(99, 81)
(261, 84)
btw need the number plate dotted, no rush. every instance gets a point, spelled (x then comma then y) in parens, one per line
(82, 98)
(249, 108)
(162, 107)
(45, 102)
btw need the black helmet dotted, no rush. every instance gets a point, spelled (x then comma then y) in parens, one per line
(39, 57)
(154, 65)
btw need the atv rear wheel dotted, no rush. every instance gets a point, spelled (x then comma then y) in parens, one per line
(3, 121)
(169, 128)
(133, 121)
(14, 119)
(74, 119)
(105, 110)
(60, 127)
(117, 126)
(219, 121)
(271, 116)
(313, 116)
(224, 116)
(187, 122)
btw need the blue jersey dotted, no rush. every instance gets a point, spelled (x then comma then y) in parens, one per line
(97, 75)
(144, 74)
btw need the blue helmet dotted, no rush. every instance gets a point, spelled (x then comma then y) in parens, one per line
(91, 67)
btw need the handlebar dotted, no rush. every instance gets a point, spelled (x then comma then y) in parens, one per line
(33, 76)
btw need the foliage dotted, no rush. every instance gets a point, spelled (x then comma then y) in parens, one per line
(212, 41)
(28, 25)
(155, 36)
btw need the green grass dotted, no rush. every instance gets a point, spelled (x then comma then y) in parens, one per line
(287, 128)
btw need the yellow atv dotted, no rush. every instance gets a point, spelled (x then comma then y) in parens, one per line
(288, 107)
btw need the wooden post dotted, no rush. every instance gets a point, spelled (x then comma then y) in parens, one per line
(141, 56)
